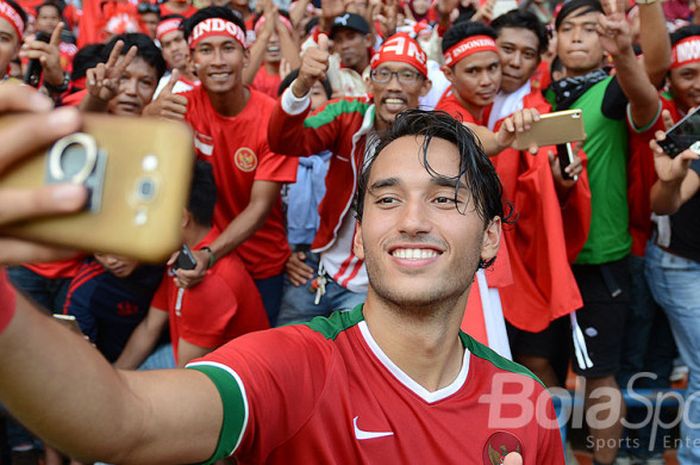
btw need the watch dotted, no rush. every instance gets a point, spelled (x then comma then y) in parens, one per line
(212, 258)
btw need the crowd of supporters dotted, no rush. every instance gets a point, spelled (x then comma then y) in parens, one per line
(597, 267)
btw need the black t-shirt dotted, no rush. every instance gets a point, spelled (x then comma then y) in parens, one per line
(685, 225)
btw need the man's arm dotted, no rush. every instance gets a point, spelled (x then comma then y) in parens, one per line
(616, 39)
(655, 42)
(143, 339)
(186, 352)
(263, 196)
(71, 397)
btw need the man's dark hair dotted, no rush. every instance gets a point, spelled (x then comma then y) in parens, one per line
(461, 31)
(53, 4)
(585, 7)
(684, 33)
(518, 19)
(211, 12)
(202, 194)
(475, 168)
(147, 50)
(289, 78)
(86, 58)
(20, 11)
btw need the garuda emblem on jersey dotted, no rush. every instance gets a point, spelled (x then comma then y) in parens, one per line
(499, 445)
(245, 159)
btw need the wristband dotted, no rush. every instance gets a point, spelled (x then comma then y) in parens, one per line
(60, 88)
(7, 302)
(212, 258)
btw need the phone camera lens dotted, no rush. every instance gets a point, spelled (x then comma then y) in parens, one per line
(73, 159)
(146, 189)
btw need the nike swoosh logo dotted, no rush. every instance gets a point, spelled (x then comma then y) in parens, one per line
(362, 435)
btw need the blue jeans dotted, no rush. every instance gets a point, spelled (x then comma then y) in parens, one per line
(674, 283)
(271, 292)
(298, 301)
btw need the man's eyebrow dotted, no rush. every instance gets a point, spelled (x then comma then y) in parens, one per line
(448, 182)
(386, 182)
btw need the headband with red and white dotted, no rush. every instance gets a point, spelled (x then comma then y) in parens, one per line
(685, 52)
(400, 47)
(261, 22)
(167, 26)
(216, 27)
(11, 16)
(467, 47)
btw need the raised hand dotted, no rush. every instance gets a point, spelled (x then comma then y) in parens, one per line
(103, 80)
(48, 55)
(613, 28)
(314, 64)
(168, 104)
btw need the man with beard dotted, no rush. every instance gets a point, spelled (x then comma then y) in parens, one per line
(393, 379)
(230, 128)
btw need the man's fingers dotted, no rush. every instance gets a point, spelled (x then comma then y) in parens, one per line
(174, 77)
(17, 251)
(21, 98)
(126, 60)
(323, 42)
(668, 121)
(178, 99)
(19, 204)
(56, 35)
(115, 53)
(22, 138)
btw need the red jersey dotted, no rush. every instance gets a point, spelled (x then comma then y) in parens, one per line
(267, 83)
(224, 306)
(7, 301)
(238, 151)
(450, 104)
(641, 176)
(326, 393)
(54, 270)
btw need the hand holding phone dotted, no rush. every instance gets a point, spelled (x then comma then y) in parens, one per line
(683, 135)
(554, 128)
(185, 259)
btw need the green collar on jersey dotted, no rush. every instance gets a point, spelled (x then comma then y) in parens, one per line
(330, 327)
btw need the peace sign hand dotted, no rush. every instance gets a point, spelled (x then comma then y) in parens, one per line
(48, 55)
(103, 80)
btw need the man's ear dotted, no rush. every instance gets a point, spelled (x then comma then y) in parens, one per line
(246, 58)
(491, 239)
(449, 74)
(186, 218)
(358, 247)
(368, 40)
(425, 88)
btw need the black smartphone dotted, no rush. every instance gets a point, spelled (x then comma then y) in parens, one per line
(566, 157)
(32, 75)
(185, 260)
(682, 135)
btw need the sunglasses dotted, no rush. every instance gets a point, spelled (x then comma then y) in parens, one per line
(144, 8)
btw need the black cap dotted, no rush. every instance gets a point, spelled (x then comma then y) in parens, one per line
(350, 21)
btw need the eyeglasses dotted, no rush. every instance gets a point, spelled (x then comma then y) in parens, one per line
(144, 8)
(405, 76)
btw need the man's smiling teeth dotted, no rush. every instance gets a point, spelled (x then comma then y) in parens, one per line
(414, 254)
(396, 101)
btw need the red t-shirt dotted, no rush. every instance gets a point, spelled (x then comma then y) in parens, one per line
(238, 150)
(225, 305)
(7, 301)
(450, 104)
(267, 83)
(54, 270)
(325, 392)
(165, 11)
(641, 176)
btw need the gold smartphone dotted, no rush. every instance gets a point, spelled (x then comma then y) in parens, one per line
(554, 128)
(137, 171)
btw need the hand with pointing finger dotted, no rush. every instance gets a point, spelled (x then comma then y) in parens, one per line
(48, 55)
(168, 104)
(314, 65)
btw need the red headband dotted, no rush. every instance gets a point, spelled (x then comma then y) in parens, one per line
(11, 16)
(169, 25)
(400, 47)
(216, 27)
(283, 20)
(686, 51)
(467, 47)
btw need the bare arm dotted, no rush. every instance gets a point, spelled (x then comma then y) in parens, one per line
(257, 52)
(187, 352)
(655, 42)
(142, 340)
(289, 45)
(70, 396)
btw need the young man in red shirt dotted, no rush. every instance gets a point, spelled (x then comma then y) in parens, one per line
(176, 54)
(221, 308)
(393, 379)
(230, 132)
